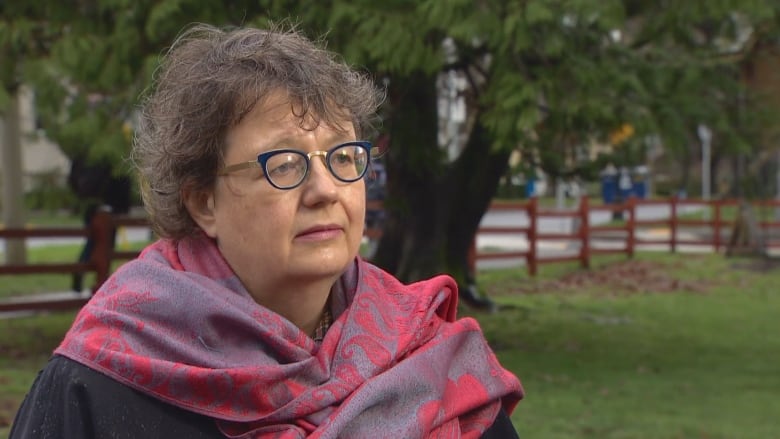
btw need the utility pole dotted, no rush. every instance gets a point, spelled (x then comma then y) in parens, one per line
(11, 168)
(705, 135)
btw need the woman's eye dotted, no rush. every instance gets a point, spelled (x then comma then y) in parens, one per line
(285, 165)
(281, 169)
(343, 159)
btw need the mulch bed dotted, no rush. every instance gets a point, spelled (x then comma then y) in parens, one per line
(619, 278)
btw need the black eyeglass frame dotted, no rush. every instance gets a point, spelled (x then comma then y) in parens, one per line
(263, 158)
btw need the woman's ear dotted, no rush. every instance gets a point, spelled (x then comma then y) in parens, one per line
(200, 205)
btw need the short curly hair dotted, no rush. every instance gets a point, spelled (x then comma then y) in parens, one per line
(208, 81)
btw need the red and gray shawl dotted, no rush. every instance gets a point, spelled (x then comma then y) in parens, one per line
(178, 325)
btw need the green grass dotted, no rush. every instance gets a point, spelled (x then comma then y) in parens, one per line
(22, 284)
(17, 285)
(26, 344)
(37, 283)
(52, 219)
(702, 361)
(687, 350)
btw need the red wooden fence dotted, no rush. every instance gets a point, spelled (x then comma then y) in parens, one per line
(709, 232)
(101, 231)
(584, 236)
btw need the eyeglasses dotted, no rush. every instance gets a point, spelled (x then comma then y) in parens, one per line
(287, 168)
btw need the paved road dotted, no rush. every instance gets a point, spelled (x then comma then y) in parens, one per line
(564, 225)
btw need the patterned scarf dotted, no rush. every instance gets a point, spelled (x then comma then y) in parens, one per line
(178, 325)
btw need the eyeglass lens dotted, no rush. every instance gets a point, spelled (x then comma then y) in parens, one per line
(287, 169)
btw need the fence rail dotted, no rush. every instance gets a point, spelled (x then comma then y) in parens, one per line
(583, 236)
(101, 231)
(745, 231)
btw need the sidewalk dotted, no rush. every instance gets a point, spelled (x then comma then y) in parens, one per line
(552, 248)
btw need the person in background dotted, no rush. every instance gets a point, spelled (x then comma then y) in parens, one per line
(100, 190)
(253, 316)
(625, 184)
(92, 208)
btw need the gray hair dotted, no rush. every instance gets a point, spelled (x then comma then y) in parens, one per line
(208, 82)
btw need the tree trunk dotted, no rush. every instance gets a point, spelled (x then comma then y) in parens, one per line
(434, 208)
(685, 170)
(413, 163)
(13, 213)
(715, 180)
(474, 178)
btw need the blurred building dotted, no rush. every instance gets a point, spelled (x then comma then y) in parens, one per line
(42, 160)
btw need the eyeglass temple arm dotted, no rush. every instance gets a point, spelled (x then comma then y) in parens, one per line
(239, 166)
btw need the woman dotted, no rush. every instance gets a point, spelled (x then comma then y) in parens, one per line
(253, 316)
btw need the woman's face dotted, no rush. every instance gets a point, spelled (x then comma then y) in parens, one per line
(276, 239)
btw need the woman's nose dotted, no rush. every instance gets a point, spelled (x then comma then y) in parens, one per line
(320, 183)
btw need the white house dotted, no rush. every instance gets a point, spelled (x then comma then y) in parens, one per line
(39, 155)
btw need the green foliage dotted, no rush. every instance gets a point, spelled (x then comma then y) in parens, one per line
(371, 34)
(49, 194)
(549, 66)
(89, 63)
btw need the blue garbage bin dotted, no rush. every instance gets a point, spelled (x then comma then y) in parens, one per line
(530, 188)
(608, 188)
(640, 189)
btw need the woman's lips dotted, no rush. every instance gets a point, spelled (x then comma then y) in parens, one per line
(319, 233)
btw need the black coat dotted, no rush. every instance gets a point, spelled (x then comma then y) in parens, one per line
(69, 400)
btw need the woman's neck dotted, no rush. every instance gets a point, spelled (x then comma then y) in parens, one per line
(301, 304)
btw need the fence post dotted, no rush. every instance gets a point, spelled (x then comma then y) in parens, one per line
(673, 224)
(531, 256)
(102, 233)
(716, 225)
(584, 232)
(631, 226)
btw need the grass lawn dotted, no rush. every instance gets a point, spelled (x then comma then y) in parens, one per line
(662, 347)
(18, 285)
(666, 347)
